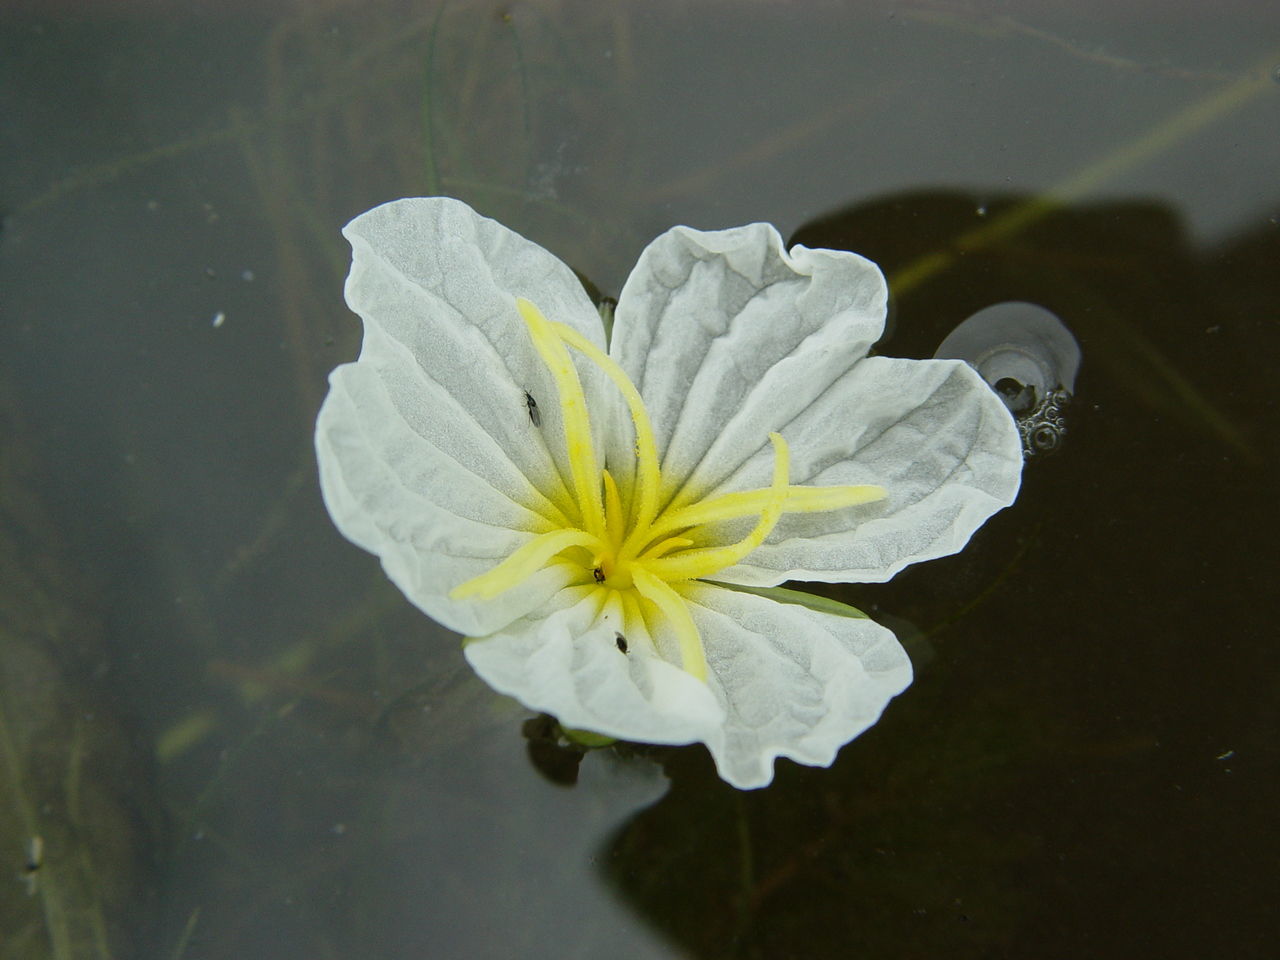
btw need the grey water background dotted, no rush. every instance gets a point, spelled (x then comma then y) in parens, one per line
(237, 740)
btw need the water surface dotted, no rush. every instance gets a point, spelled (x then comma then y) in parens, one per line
(292, 762)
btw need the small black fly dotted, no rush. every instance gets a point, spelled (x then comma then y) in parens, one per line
(532, 404)
(622, 642)
(30, 873)
(598, 574)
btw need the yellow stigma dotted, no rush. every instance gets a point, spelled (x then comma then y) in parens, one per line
(625, 544)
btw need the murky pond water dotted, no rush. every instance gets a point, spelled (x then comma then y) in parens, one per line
(225, 734)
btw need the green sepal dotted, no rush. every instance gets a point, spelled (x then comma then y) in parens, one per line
(585, 738)
(812, 601)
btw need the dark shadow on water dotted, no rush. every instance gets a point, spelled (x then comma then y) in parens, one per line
(1049, 777)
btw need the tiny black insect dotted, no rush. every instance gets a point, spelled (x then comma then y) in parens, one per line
(622, 642)
(598, 574)
(532, 404)
(35, 857)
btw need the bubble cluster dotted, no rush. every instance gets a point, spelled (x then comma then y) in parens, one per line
(1029, 358)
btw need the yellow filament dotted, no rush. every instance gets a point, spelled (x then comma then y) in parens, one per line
(573, 407)
(524, 563)
(731, 506)
(703, 563)
(634, 618)
(646, 448)
(612, 506)
(665, 547)
(692, 656)
(633, 555)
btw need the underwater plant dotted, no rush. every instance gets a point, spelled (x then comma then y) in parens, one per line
(608, 517)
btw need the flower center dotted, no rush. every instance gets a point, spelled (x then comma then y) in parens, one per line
(626, 547)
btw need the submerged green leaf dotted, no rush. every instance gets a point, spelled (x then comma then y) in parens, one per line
(809, 600)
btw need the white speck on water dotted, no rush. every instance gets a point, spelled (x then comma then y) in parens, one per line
(246, 276)
(219, 319)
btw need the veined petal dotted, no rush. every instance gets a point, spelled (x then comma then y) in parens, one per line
(433, 523)
(441, 282)
(428, 454)
(793, 682)
(930, 432)
(728, 336)
(565, 659)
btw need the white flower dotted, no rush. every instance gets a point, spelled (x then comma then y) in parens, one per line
(600, 518)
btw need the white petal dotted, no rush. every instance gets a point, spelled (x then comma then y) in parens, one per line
(432, 275)
(931, 432)
(433, 522)
(785, 681)
(429, 456)
(726, 334)
(793, 682)
(565, 660)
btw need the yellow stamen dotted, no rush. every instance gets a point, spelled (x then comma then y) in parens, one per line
(731, 506)
(647, 477)
(692, 656)
(573, 408)
(524, 563)
(703, 563)
(630, 558)
(613, 518)
(665, 547)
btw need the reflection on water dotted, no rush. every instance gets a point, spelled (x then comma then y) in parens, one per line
(292, 763)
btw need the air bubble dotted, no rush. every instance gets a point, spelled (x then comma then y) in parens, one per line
(1029, 358)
